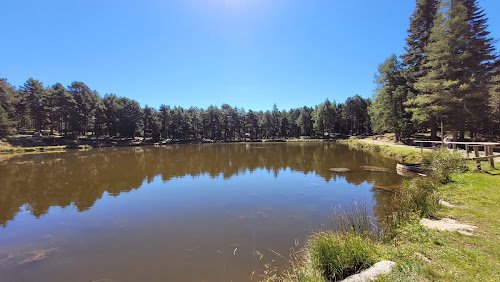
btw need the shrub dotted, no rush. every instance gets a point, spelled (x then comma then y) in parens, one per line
(444, 162)
(337, 256)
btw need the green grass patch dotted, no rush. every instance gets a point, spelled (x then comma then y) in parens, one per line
(337, 256)
(403, 154)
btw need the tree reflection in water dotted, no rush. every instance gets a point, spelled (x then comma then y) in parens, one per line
(80, 178)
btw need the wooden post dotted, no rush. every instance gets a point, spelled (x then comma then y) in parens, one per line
(467, 149)
(476, 153)
(490, 153)
(454, 146)
(421, 147)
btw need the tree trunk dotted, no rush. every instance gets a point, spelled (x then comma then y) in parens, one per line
(462, 133)
(454, 132)
(442, 130)
(398, 136)
(433, 128)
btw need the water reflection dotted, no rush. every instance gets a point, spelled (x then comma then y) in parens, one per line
(81, 178)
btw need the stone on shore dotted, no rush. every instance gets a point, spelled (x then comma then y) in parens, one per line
(370, 274)
(448, 224)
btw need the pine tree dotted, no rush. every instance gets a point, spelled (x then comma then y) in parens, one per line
(388, 109)
(5, 123)
(494, 100)
(8, 96)
(81, 119)
(478, 66)
(443, 87)
(34, 94)
(421, 24)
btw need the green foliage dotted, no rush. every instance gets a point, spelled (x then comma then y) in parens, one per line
(33, 95)
(8, 98)
(5, 123)
(444, 162)
(417, 198)
(338, 256)
(388, 110)
(357, 117)
(457, 59)
(81, 118)
(494, 101)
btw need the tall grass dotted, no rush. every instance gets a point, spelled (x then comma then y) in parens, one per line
(337, 256)
(418, 198)
(355, 220)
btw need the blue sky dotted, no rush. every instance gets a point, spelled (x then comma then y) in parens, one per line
(247, 53)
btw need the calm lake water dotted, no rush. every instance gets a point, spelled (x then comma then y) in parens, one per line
(174, 213)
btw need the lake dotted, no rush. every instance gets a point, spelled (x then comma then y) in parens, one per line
(178, 212)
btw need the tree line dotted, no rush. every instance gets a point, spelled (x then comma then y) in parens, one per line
(77, 110)
(448, 78)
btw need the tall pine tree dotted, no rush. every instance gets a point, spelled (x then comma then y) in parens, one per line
(421, 24)
(34, 94)
(388, 109)
(444, 85)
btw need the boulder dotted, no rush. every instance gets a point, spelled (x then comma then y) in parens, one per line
(448, 224)
(370, 274)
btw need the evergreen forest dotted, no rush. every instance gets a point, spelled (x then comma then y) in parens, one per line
(447, 79)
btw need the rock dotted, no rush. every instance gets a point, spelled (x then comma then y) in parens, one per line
(446, 204)
(422, 257)
(37, 134)
(374, 168)
(340, 169)
(448, 224)
(370, 274)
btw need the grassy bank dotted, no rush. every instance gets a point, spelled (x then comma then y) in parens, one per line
(421, 254)
(400, 153)
(453, 256)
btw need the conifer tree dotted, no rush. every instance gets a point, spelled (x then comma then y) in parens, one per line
(478, 67)
(388, 109)
(33, 96)
(443, 86)
(421, 24)
(5, 123)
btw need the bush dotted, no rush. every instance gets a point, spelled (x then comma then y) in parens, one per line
(444, 162)
(337, 256)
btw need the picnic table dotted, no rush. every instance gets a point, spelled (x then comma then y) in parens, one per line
(488, 150)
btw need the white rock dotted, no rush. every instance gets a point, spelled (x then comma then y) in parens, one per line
(370, 274)
(446, 204)
(448, 224)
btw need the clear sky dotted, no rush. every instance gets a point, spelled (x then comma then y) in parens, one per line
(247, 53)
